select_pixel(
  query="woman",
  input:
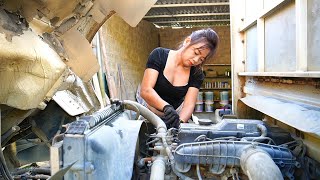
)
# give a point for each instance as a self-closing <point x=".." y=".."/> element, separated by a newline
<point x="172" y="79"/>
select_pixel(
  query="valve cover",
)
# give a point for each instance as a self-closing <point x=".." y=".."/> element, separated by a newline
<point x="227" y="128"/>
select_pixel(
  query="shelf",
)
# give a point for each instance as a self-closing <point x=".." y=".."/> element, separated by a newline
<point x="219" y="77"/>
<point x="217" y="64"/>
<point x="309" y="74"/>
<point x="215" y="88"/>
<point x="217" y="100"/>
<point x="230" y="100"/>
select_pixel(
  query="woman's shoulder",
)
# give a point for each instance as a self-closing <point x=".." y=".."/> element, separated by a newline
<point x="161" y="50"/>
<point x="160" y="53"/>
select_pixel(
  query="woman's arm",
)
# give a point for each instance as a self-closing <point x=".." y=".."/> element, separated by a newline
<point x="147" y="90"/>
<point x="189" y="104"/>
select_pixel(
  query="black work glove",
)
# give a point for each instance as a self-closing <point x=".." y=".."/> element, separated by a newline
<point x="170" y="115"/>
<point x="176" y="123"/>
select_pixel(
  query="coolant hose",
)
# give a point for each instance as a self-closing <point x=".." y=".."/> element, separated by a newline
<point x="159" y="165"/>
<point x="257" y="164"/>
<point x="263" y="130"/>
<point x="158" y="169"/>
<point x="145" y="112"/>
<point x="262" y="137"/>
<point x="133" y="108"/>
<point x="180" y="175"/>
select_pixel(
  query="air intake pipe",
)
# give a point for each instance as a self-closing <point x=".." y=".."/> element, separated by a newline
<point x="257" y="164"/>
<point x="244" y="154"/>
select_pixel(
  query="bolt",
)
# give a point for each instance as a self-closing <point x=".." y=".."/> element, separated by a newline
<point x="42" y="105"/>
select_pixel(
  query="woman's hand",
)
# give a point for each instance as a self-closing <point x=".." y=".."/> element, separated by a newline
<point x="176" y="123"/>
<point x="170" y="115"/>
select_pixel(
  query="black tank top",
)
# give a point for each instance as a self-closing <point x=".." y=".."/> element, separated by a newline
<point x="174" y="95"/>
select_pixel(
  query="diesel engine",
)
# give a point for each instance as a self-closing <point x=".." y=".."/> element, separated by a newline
<point x="109" y="145"/>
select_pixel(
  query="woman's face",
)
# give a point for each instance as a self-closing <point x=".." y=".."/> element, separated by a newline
<point x="194" y="55"/>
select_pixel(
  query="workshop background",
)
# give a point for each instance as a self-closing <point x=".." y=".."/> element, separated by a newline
<point x="130" y="47"/>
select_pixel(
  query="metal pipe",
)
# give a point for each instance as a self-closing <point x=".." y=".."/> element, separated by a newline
<point x="263" y="130"/>
<point x="57" y="138"/>
<point x="158" y="168"/>
<point x="179" y="174"/>
<point x="86" y="94"/>
<point x="9" y="134"/>
<point x="257" y="164"/>
<point x="159" y="165"/>
<point x="150" y="116"/>
<point x="105" y="99"/>
<point x="31" y="177"/>
<point x="32" y="170"/>
<point x="198" y="172"/>
<point x="261" y="138"/>
<point x="229" y="153"/>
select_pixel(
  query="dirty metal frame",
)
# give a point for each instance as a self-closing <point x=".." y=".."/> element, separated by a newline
<point x="166" y="14"/>
<point x="268" y="91"/>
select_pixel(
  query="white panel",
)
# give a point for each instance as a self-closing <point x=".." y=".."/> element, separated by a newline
<point x="132" y="11"/>
<point x="253" y="9"/>
<point x="313" y="35"/>
<point x="252" y="50"/>
<point x="280" y="41"/>
<point x="288" y="112"/>
<point x="301" y="35"/>
<point x="70" y="103"/>
<point x="270" y="3"/>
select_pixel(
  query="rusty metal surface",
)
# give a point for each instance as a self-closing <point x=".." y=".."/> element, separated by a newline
<point x="189" y="13"/>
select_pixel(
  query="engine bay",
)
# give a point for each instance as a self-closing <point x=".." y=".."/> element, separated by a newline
<point x="222" y="150"/>
<point x="57" y="120"/>
<point x="232" y="148"/>
<point x="112" y="144"/>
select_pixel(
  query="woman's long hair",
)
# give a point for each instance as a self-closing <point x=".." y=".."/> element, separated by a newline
<point x="207" y="36"/>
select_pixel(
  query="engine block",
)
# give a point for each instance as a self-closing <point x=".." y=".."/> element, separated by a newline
<point x="238" y="128"/>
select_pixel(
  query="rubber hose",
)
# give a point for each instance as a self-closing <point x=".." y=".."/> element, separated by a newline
<point x="150" y="116"/>
<point x="257" y="164"/>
